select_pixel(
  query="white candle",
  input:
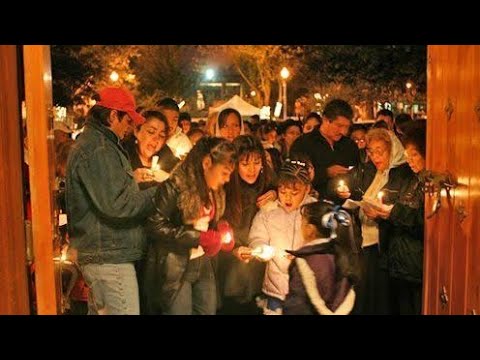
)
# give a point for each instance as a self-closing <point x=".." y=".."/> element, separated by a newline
<point x="380" y="197"/>
<point x="155" y="165"/>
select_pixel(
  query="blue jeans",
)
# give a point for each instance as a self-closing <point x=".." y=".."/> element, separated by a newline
<point x="274" y="303"/>
<point x="113" y="289"/>
<point x="198" y="293"/>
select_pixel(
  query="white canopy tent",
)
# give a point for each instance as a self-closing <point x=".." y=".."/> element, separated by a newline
<point x="237" y="103"/>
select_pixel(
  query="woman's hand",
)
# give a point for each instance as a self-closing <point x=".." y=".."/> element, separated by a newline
<point x="385" y="212"/>
<point x="243" y="254"/>
<point x="160" y="175"/>
<point x="143" y="175"/>
<point x="370" y="212"/>
<point x="265" y="198"/>
<point x="202" y="223"/>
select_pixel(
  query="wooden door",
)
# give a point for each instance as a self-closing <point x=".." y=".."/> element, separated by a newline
<point x="451" y="279"/>
<point x="13" y="263"/>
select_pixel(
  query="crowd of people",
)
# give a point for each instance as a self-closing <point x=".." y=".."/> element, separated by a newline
<point x="240" y="216"/>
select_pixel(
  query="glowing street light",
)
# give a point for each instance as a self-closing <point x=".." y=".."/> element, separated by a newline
<point x="253" y="93"/>
<point x="284" y="73"/>
<point x="114" y="76"/>
<point x="409" y="85"/>
<point x="210" y="74"/>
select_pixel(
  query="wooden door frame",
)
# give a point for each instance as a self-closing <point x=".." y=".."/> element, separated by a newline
<point x="38" y="97"/>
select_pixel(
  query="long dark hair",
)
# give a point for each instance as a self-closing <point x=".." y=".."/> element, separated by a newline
<point x="220" y="150"/>
<point x="246" y="146"/>
<point x="332" y="222"/>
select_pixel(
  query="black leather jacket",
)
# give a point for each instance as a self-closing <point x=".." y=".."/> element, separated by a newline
<point x="170" y="243"/>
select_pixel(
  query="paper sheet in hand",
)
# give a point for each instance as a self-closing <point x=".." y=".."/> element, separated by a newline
<point x="352" y="204"/>
<point x="374" y="204"/>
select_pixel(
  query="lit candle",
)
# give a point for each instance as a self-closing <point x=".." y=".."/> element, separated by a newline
<point x="155" y="165"/>
<point x="227" y="238"/>
<point x="264" y="252"/>
<point x="342" y="187"/>
<point x="380" y="197"/>
<point x="181" y="151"/>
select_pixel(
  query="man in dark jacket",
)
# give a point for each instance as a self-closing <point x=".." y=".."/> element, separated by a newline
<point x="331" y="152"/>
<point x="105" y="207"/>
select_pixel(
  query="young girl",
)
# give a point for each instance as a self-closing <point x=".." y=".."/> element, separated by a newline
<point x="185" y="232"/>
<point x="324" y="270"/>
<point x="275" y="230"/>
<point x="251" y="187"/>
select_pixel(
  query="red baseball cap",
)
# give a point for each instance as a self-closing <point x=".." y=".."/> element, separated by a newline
<point x="120" y="99"/>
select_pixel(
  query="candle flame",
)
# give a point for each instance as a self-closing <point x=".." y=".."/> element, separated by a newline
<point x="380" y="196"/>
<point x="264" y="252"/>
<point x="227" y="238"/>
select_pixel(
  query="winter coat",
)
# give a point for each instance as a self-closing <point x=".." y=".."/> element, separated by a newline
<point x="239" y="279"/>
<point x="405" y="244"/>
<point x="105" y="208"/>
<point x="282" y="230"/>
<point x="172" y="237"/>
<point x="315" y="288"/>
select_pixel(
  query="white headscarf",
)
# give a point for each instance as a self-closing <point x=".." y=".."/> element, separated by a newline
<point x="397" y="157"/>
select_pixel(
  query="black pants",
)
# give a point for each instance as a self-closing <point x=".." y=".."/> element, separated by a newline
<point x="405" y="297"/>
<point x="372" y="292"/>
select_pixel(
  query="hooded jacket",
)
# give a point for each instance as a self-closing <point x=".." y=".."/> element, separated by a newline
<point x="315" y="286"/>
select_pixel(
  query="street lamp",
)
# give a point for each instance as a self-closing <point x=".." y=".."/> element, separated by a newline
<point x="410" y="92"/>
<point x="210" y="74"/>
<point x="114" y="76"/>
<point x="284" y="73"/>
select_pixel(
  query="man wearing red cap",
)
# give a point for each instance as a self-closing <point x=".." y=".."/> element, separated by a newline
<point x="105" y="208"/>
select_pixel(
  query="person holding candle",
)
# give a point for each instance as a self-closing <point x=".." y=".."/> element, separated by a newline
<point x="186" y="232"/>
<point x="149" y="143"/>
<point x="406" y="220"/>
<point x="331" y="152"/>
<point x="250" y="189"/>
<point x="280" y="228"/>
<point x="388" y="172"/>
<point x="105" y="207"/>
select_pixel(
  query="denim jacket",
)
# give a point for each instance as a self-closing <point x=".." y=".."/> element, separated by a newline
<point x="105" y="208"/>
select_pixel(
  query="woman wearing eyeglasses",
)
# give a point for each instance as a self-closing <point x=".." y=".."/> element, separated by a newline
<point x="406" y="220"/>
<point x="358" y="136"/>
<point x="386" y="173"/>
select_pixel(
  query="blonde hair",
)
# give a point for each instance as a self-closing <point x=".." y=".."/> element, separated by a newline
<point x="379" y="134"/>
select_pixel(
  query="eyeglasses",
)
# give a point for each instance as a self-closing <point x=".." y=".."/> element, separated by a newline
<point x="297" y="162"/>
<point x="377" y="152"/>
<point x="359" y="141"/>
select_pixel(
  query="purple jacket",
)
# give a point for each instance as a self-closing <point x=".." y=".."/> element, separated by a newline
<point x="314" y="287"/>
